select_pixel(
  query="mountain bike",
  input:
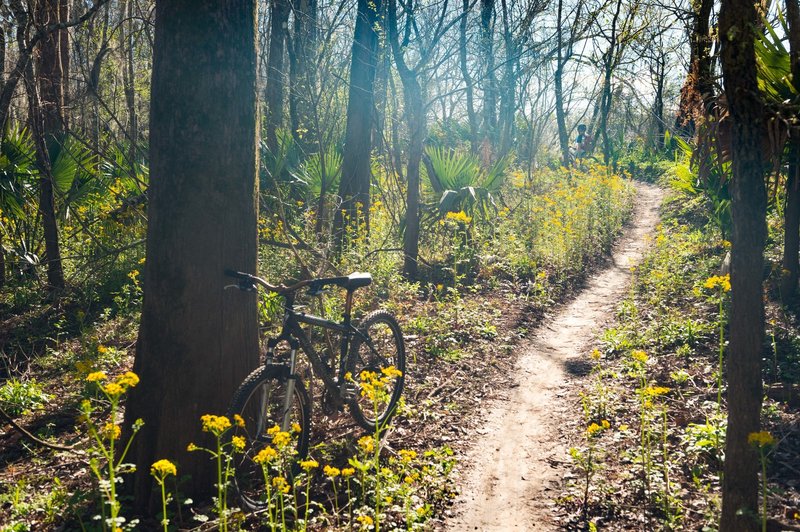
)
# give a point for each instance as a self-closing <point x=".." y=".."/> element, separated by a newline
<point x="275" y="394"/>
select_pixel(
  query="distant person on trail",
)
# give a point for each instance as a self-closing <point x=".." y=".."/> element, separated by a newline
<point x="583" y="142"/>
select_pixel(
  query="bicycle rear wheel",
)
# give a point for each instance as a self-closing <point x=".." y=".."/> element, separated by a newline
<point x="379" y="348"/>
<point x="269" y="401"/>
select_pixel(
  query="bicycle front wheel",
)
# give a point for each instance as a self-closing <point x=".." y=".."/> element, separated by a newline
<point x="269" y="401"/>
<point x="377" y="364"/>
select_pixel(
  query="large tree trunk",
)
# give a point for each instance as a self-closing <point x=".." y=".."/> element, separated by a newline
<point x="468" y="82"/>
<point x="356" y="171"/>
<point x="196" y="341"/>
<point x="52" y="65"/>
<point x="748" y="210"/>
<point x="279" y="18"/>
<point x="791" y="265"/>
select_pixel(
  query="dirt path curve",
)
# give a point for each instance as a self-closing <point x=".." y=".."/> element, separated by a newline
<point x="509" y="477"/>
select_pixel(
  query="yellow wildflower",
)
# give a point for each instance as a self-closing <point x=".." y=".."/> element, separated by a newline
<point x="656" y="390"/>
<point x="605" y="424"/>
<point x="459" y="216"/>
<point x="238" y="420"/>
<point x="367" y="444"/>
<point x="215" y="424"/>
<point x="281" y="439"/>
<point x="96" y="376"/>
<point x="761" y="439"/>
<point x="296" y="427"/>
<point x="129" y="379"/>
<point x="330" y="471"/>
<point x="102" y="349"/>
<point x="348" y="471"/>
<point x="639" y="356"/>
<point x="113" y="389"/>
<point x="593" y="429"/>
<point x="111" y="431"/>
<point x="392" y="371"/>
<point x="238" y="443"/>
<point x="596" y="355"/>
<point x="191" y="447"/>
<point x="364" y="520"/>
<point x="280" y="484"/>
<point x="406" y="455"/>
<point x="163" y="468"/>
<point x="308" y="465"/>
<point x="265" y="455"/>
<point x="721" y="281"/>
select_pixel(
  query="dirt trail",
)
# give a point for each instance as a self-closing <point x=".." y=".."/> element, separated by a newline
<point x="510" y="476"/>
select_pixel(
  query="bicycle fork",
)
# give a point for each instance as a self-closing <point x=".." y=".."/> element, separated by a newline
<point x="286" y="421"/>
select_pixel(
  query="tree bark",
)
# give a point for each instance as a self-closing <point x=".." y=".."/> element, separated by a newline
<point x="489" y="78"/>
<point x="279" y="19"/>
<point x="748" y="208"/>
<point x="791" y="265"/>
<point x="415" y="118"/>
<point x="196" y="341"/>
<point x="697" y="92"/>
<point x="558" y="82"/>
<point x="354" y="186"/>
<point x="129" y="76"/>
<point x="52" y="66"/>
<point x="302" y="74"/>
<point x="468" y="82"/>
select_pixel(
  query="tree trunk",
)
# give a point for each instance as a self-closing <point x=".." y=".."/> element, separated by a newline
<point x="791" y="265"/>
<point x="129" y="77"/>
<point x="698" y="90"/>
<point x="506" y="124"/>
<point x="658" y="104"/>
<point x="356" y="169"/>
<point x="748" y="209"/>
<point x="558" y="75"/>
<point x="606" y="96"/>
<point x="302" y="74"/>
<point x="415" y="118"/>
<point x="468" y="82"/>
<point x="52" y="65"/>
<point x="279" y="19"/>
<point x="489" y="77"/>
<point x="196" y="341"/>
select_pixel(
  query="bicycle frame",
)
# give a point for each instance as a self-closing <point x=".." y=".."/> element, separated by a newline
<point x="296" y="337"/>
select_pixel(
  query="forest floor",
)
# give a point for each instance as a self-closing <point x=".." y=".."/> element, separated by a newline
<point x="511" y="475"/>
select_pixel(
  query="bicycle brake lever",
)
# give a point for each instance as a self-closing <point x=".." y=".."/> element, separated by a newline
<point x="227" y="286"/>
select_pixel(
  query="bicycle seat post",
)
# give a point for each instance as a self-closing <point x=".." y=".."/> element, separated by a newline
<point x="348" y="305"/>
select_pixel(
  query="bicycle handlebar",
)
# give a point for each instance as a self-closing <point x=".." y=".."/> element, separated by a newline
<point x="248" y="282"/>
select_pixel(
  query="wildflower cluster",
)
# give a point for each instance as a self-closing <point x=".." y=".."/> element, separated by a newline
<point x="106" y="464"/>
<point x="723" y="282"/>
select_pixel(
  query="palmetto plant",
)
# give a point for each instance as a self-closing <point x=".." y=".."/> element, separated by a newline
<point x="74" y="172"/>
<point x="462" y="183"/>
<point x="321" y="173"/>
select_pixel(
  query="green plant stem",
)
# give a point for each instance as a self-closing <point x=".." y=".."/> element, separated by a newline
<point x="164" y="520"/>
<point x="763" y="489"/>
